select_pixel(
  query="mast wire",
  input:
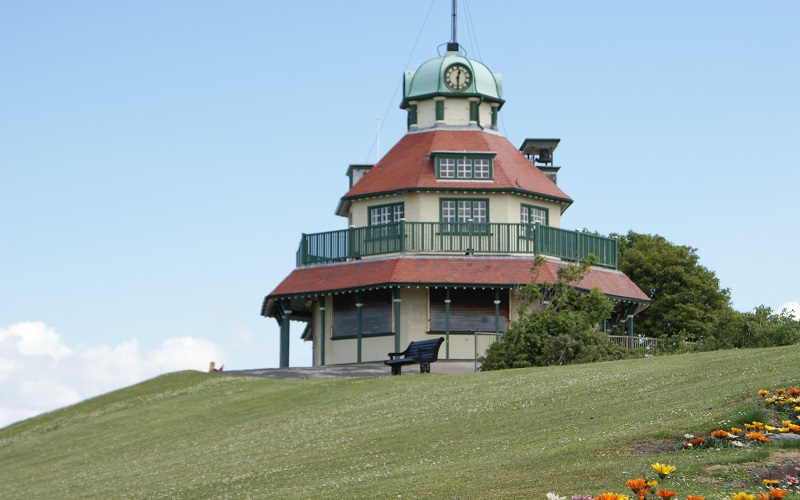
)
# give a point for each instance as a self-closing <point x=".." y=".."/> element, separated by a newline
<point x="394" y="95"/>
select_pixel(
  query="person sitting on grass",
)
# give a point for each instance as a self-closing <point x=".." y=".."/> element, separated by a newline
<point x="211" y="368"/>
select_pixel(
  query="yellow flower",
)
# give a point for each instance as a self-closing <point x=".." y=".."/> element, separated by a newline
<point x="652" y="484"/>
<point x="769" y="482"/>
<point x="783" y="429"/>
<point x="736" y="430"/>
<point x="663" y="470"/>
<point x="797" y="408"/>
<point x="743" y="496"/>
<point x="769" y="428"/>
<point x="762" y="392"/>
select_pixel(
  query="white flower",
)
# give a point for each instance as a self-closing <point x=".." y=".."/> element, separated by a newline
<point x="553" y="496"/>
<point x="689" y="436"/>
<point x="737" y="443"/>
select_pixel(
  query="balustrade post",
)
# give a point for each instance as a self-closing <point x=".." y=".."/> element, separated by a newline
<point x="402" y="236"/>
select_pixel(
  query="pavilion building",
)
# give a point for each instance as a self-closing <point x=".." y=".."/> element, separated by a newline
<point x="440" y="232"/>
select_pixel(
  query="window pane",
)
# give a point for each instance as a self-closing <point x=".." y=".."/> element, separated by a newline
<point x="464" y="211"/>
<point x="479" y="211"/>
<point x="448" y="211"/>
<point x="447" y="168"/>
<point x="464" y="168"/>
<point x="538" y="216"/>
<point x="482" y="169"/>
<point x="399" y="212"/>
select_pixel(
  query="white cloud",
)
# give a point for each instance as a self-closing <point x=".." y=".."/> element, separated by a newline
<point x="40" y="373"/>
<point x="793" y="307"/>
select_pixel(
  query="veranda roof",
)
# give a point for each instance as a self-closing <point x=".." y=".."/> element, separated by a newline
<point x="504" y="272"/>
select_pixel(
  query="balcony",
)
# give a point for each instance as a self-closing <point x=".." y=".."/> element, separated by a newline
<point x="454" y="238"/>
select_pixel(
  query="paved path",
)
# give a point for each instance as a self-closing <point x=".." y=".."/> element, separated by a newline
<point x="342" y="371"/>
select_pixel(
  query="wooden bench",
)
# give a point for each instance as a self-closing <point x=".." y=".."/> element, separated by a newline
<point x="422" y="352"/>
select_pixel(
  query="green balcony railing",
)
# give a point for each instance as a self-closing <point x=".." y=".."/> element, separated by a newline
<point x="462" y="238"/>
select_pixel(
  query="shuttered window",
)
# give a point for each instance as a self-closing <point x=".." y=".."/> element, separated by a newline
<point x="376" y="314"/>
<point x="471" y="310"/>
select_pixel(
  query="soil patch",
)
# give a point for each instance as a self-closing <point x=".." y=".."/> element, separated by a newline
<point x="656" y="447"/>
<point x="777" y="466"/>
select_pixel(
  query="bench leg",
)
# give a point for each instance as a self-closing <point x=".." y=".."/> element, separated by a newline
<point x="396" y="369"/>
<point x="424" y="367"/>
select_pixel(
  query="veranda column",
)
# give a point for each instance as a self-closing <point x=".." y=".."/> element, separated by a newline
<point x="447" y="323"/>
<point x="496" y="310"/>
<point x="396" y="302"/>
<point x="322" y="334"/>
<point x="359" y="305"/>
<point x="287" y="314"/>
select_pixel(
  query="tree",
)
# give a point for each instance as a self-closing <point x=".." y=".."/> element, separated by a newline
<point x="686" y="297"/>
<point x="556" y="324"/>
<point x="760" y="328"/>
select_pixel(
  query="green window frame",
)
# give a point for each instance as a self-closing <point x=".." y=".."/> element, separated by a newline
<point x="387" y="214"/>
<point x="529" y="216"/>
<point x="459" y="166"/>
<point x="464" y="215"/>
<point x="384" y="220"/>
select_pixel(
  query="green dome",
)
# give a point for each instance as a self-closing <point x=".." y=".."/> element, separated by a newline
<point x="428" y="80"/>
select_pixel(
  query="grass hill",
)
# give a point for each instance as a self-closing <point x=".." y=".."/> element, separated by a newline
<point x="578" y="429"/>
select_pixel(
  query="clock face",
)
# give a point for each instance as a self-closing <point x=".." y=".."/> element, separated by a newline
<point x="457" y="77"/>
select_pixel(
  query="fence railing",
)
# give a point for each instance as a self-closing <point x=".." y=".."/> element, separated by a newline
<point x="448" y="237"/>
<point x="649" y="345"/>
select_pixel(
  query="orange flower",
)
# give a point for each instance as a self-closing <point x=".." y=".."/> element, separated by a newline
<point x="757" y="436"/>
<point x="763" y="496"/>
<point x="666" y="494"/>
<point x="696" y="441"/>
<point x="637" y="485"/>
<point x="607" y="496"/>
<point x="720" y="434"/>
<point x="777" y="493"/>
<point x="794" y="391"/>
<point x="762" y="392"/>
<point x="694" y="497"/>
<point x="794" y="427"/>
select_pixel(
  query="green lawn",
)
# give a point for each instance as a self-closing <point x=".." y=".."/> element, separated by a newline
<point x="510" y="434"/>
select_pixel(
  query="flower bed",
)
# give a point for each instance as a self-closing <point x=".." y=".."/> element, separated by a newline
<point x="783" y="406"/>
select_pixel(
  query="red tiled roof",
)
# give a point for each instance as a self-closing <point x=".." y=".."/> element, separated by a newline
<point x="408" y="165"/>
<point x="456" y="271"/>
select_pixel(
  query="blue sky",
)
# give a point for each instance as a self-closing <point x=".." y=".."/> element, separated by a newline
<point x="159" y="160"/>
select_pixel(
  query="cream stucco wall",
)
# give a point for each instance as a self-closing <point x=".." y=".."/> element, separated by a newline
<point x="456" y="112"/>
<point x="424" y="207"/>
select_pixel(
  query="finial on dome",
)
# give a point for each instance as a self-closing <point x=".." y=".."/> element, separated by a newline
<point x="452" y="45"/>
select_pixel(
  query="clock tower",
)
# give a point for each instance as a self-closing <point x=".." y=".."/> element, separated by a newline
<point x="452" y="91"/>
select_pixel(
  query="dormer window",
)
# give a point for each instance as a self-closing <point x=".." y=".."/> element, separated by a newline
<point x="464" y="166"/>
